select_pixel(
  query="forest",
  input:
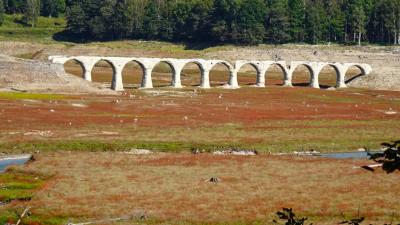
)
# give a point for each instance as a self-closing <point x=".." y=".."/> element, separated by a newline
<point x="242" y="22"/>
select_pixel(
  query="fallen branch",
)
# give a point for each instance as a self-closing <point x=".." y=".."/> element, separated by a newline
<point x="141" y="216"/>
<point x="368" y="167"/>
<point x="23" y="215"/>
<point x="99" y="221"/>
<point x="18" y="90"/>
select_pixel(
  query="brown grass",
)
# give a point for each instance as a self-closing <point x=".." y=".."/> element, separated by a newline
<point x="171" y="187"/>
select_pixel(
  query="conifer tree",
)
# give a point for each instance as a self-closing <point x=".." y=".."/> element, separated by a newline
<point x="32" y="12"/>
<point x="316" y="21"/>
<point x="2" y="11"/>
<point x="250" y="26"/>
<point x="336" y="21"/>
<point x="277" y="22"/>
<point x="296" y="18"/>
<point x="52" y="8"/>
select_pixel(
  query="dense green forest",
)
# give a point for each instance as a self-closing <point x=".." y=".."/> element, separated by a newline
<point x="221" y="21"/>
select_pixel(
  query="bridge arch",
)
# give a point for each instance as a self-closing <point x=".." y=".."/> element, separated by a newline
<point x="324" y="77"/>
<point x="70" y="67"/>
<point x="271" y="69"/>
<point x="363" y="70"/>
<point x="161" y="79"/>
<point x="310" y="69"/>
<point x="128" y="70"/>
<point x="99" y="74"/>
<point x="245" y="78"/>
<point x="350" y="76"/>
<point x="192" y="80"/>
<point x="221" y="79"/>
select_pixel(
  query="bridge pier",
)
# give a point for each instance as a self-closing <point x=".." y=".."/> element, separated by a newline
<point x="87" y="64"/>
<point x="117" y="84"/>
<point x="147" y="81"/>
<point x="341" y="77"/>
<point x="205" y="78"/>
<point x="176" y="79"/>
<point x="288" y="77"/>
<point x="260" y="82"/>
<point x="87" y="75"/>
<point x="314" y="81"/>
<point x="177" y="71"/>
<point x="233" y="80"/>
<point x="288" y="83"/>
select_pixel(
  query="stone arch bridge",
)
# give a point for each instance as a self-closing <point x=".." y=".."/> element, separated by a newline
<point x="147" y="65"/>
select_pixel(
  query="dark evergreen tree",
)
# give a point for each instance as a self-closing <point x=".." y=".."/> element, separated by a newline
<point x="166" y="27"/>
<point x="316" y="21"/>
<point x="336" y="21"/>
<point x="76" y="18"/>
<point x="14" y="6"/>
<point x="277" y="21"/>
<point x="230" y="21"/>
<point x="52" y="8"/>
<point x="189" y="20"/>
<point x="356" y="19"/>
<point x="2" y="11"/>
<point x="297" y="16"/>
<point x="119" y="20"/>
<point x="222" y="20"/>
<point x="135" y="12"/>
<point x="31" y="12"/>
<point x="152" y="20"/>
<point x="250" y="24"/>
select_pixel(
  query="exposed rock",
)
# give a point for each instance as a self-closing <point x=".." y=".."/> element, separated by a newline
<point x="307" y="153"/>
<point x="39" y="133"/>
<point x="42" y="76"/>
<point x="139" y="152"/>
<point x="236" y="152"/>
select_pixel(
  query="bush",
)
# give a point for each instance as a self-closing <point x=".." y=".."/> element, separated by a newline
<point x="390" y="158"/>
<point x="290" y="218"/>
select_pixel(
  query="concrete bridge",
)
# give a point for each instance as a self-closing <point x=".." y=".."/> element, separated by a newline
<point x="147" y="65"/>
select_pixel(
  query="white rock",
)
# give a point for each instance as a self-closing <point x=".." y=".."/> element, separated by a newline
<point x="139" y="152"/>
<point x="390" y="112"/>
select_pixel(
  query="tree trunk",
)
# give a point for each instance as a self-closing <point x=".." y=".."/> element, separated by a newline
<point x="398" y="37"/>
<point x="359" y="38"/>
<point x="345" y="31"/>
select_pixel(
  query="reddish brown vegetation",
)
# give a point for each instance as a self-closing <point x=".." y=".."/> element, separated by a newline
<point x="173" y="187"/>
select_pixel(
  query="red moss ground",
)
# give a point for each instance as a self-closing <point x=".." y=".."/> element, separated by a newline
<point x="257" y="117"/>
<point x="172" y="187"/>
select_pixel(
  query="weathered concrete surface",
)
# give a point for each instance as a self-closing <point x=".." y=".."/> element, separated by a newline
<point x="39" y="76"/>
<point x="148" y="64"/>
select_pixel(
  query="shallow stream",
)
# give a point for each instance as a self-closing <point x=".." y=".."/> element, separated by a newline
<point x="348" y="155"/>
<point x="13" y="160"/>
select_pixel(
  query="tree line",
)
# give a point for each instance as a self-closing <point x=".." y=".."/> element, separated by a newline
<point x="238" y="21"/>
<point x="32" y="9"/>
<point x="224" y="21"/>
